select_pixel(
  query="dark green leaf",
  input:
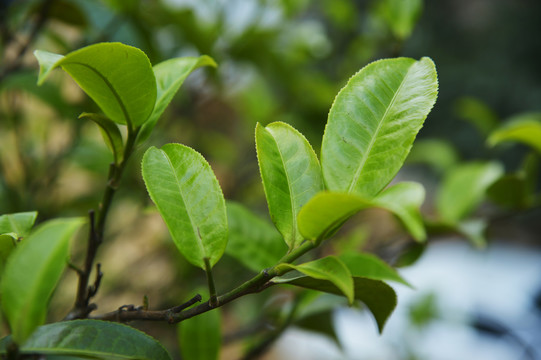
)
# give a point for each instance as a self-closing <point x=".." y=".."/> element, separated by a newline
<point x="252" y="241"/>
<point x="370" y="267"/>
<point x="110" y="132"/>
<point x="18" y="223"/>
<point x="478" y="114"/>
<point x="94" y="339"/>
<point x="31" y="274"/>
<point x="291" y="175"/>
<point x="379" y="297"/>
<point x="510" y="191"/>
<point x="170" y="75"/>
<point x="190" y="200"/>
<point x="118" y="77"/>
<point x="373" y="122"/>
<point x="329" y="268"/>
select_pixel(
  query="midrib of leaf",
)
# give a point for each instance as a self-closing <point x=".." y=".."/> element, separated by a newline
<point x="291" y="200"/>
<point x="195" y="228"/>
<point x="378" y="129"/>
<point x="110" y="86"/>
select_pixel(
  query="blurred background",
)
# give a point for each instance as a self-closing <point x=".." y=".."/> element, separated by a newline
<point x="477" y="285"/>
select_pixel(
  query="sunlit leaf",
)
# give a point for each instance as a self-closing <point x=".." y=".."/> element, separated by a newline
<point x="252" y="241"/>
<point x="379" y="297"/>
<point x="371" y="267"/>
<point x="329" y="268"/>
<point x="524" y="128"/>
<point x="190" y="200"/>
<point x="464" y="188"/>
<point x="18" y="223"/>
<point x="373" y="122"/>
<point x="91" y="339"/>
<point x="31" y="274"/>
<point x="291" y="175"/>
<point x="110" y="132"/>
<point x="170" y="75"/>
<point x="118" y="77"/>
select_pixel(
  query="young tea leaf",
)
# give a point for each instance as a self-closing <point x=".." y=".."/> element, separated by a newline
<point x="371" y="267"/>
<point x="190" y="200"/>
<point x="91" y="339"/>
<point x="524" y="128"/>
<point x="379" y="297"/>
<point x="329" y="268"/>
<point x="170" y="75"/>
<point x="31" y="274"/>
<point x="118" y="77"/>
<point x="291" y="175"/>
<point x="373" y="122"/>
<point x="18" y="223"/>
<point x="252" y="241"/>
<point x="110" y="132"/>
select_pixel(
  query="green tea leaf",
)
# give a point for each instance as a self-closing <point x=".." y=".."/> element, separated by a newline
<point x="400" y="15"/>
<point x="31" y="274"/>
<point x="371" y="267"/>
<point x="252" y="241"/>
<point x="329" y="268"/>
<point x="8" y="243"/>
<point x="118" y="77"/>
<point x="464" y="188"/>
<point x="523" y="128"/>
<point x="190" y="200"/>
<point x="111" y="134"/>
<point x="404" y="200"/>
<point x="373" y="122"/>
<point x="91" y="339"/>
<point x="291" y="175"/>
<point x="437" y="154"/>
<point x="478" y="114"/>
<point x="170" y="75"/>
<point x="379" y="297"/>
<point x="510" y="191"/>
<point x="200" y="337"/>
<point x="18" y="223"/>
<point x="326" y="212"/>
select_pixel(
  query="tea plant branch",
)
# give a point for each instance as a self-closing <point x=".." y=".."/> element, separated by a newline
<point x="85" y="293"/>
<point x="256" y="284"/>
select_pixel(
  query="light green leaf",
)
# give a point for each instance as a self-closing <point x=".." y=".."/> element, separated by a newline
<point x="291" y="175"/>
<point x="523" y="128"/>
<point x="329" y="268"/>
<point x="252" y="241"/>
<point x="110" y="133"/>
<point x="31" y="274"/>
<point x="326" y="212"/>
<point x="8" y="243"/>
<point x="18" y="223"/>
<point x="200" y="337"/>
<point x="91" y="339"/>
<point x="400" y="15"/>
<point x="118" y="77"/>
<point x="190" y="200"/>
<point x="170" y="74"/>
<point x="373" y="122"/>
<point x="438" y="154"/>
<point x="404" y="200"/>
<point x="371" y="267"/>
<point x="379" y="297"/>
<point x="464" y="188"/>
<point x="477" y="113"/>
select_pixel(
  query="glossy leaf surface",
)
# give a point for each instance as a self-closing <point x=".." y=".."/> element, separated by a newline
<point x="200" y="337"/>
<point x="524" y="128"/>
<point x="464" y="188"/>
<point x="252" y="241"/>
<point x="31" y="274"/>
<point x="170" y="74"/>
<point x="291" y="175"/>
<point x="190" y="200"/>
<point x="371" y="267"/>
<point x="18" y="223"/>
<point x="92" y="339"/>
<point x="327" y="211"/>
<point x="118" y="77"/>
<point x="373" y="122"/>
<point x="379" y="297"/>
<point x="329" y="268"/>
<point x="110" y="133"/>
